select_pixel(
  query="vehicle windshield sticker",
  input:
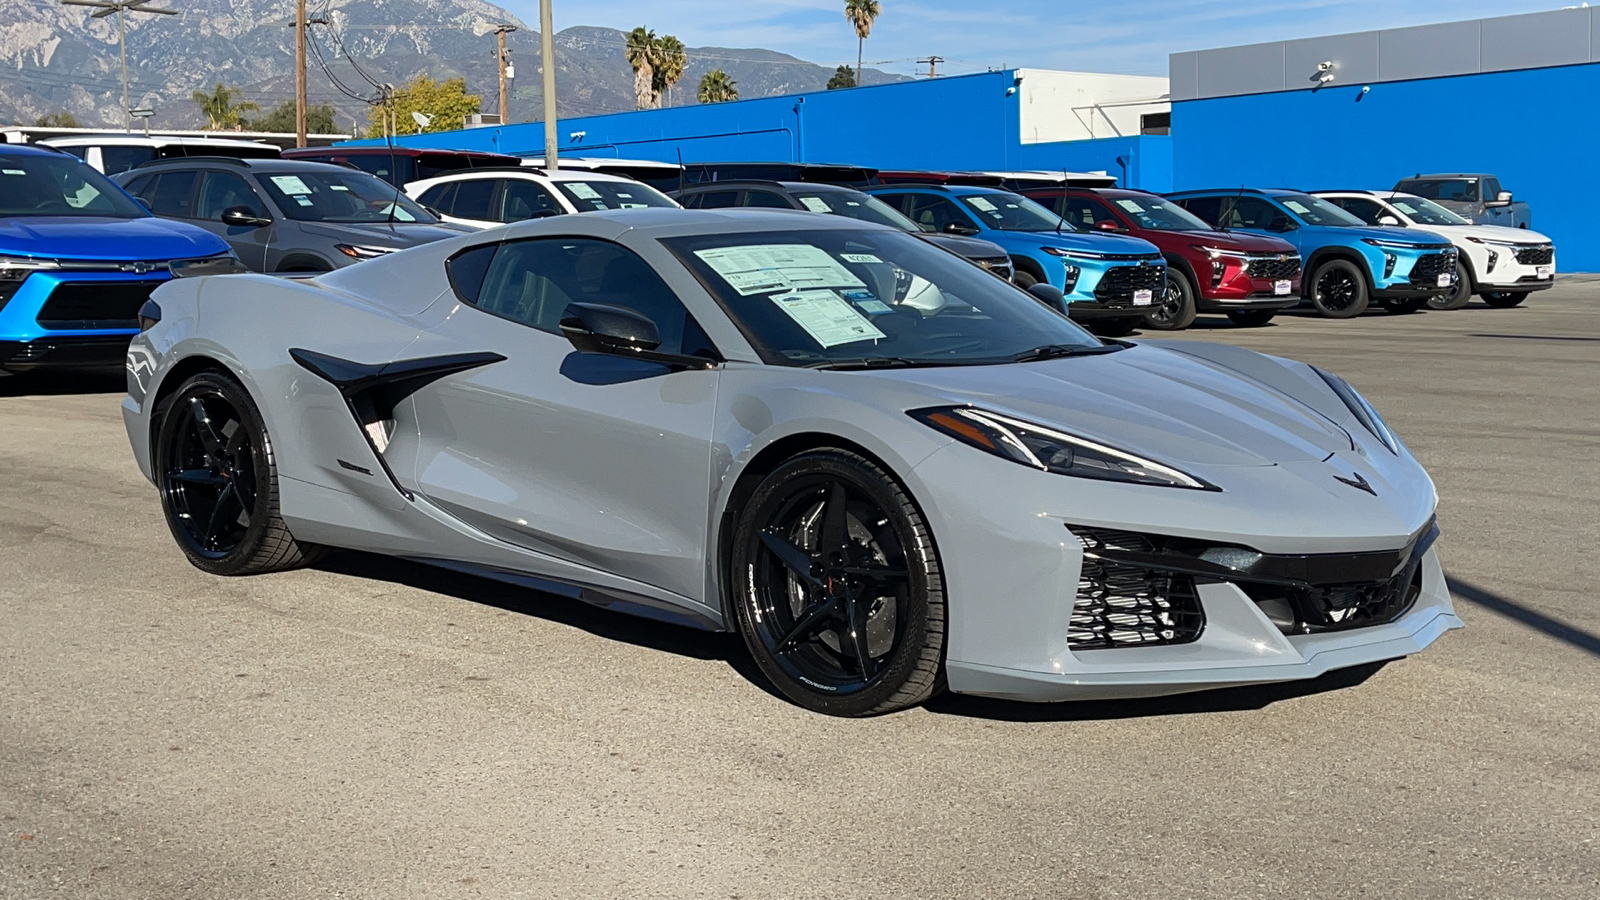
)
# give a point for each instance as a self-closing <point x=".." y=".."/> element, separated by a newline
<point x="1405" y="207"/>
<point x="16" y="171"/>
<point x="290" y="184"/>
<point x="340" y="187"/>
<point x="873" y="307"/>
<point x="582" y="191"/>
<point x="816" y="204"/>
<point x="859" y="258"/>
<point x="1130" y="205"/>
<point x="1296" y="206"/>
<point x="303" y="200"/>
<point x="829" y="320"/>
<point x="981" y="203"/>
<point x="763" y="268"/>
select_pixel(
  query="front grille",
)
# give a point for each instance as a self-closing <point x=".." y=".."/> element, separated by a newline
<point x="1122" y="605"/>
<point x="1119" y="282"/>
<point x="1274" y="267"/>
<point x="1427" y="269"/>
<point x="95" y="304"/>
<point x="1536" y="254"/>
<point x="999" y="265"/>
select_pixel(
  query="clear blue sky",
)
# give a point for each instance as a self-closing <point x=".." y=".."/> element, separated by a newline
<point x="1133" y="36"/>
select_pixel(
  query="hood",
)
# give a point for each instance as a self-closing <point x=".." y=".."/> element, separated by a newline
<point x="1491" y="233"/>
<point x="400" y="235"/>
<point x="1150" y="400"/>
<point x="970" y="247"/>
<point x="1090" y="242"/>
<point x="97" y="237"/>
<point x="1398" y="235"/>
<point x="1242" y="241"/>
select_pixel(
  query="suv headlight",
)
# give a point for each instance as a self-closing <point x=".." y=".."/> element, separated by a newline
<point x="221" y="264"/>
<point x="1050" y="450"/>
<point x="1064" y="253"/>
<point x="18" y="268"/>
<point x="1494" y="243"/>
<point x="1399" y="245"/>
<point x="1362" y="410"/>
<point x="356" y="251"/>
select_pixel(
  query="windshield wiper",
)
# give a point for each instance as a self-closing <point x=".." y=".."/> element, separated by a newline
<point x="876" y="362"/>
<point x="1061" y="351"/>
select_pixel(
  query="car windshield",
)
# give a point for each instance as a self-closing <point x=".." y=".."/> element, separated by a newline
<point x="60" y="185"/>
<point x="589" y="196"/>
<point x="1452" y="190"/>
<point x="340" y="195"/>
<point x="856" y="206"/>
<point x="1159" y="215"/>
<point x="1316" y="211"/>
<point x="866" y="298"/>
<point x="1426" y="212"/>
<point x="1013" y="212"/>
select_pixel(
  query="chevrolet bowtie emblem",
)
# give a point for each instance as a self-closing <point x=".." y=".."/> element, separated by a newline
<point x="1358" y="483"/>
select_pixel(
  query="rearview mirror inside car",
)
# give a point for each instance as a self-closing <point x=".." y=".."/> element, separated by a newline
<point x="244" y="216"/>
<point x="619" y="331"/>
<point x="1050" y="296"/>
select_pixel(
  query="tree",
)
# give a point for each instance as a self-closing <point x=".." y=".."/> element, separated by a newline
<point x="843" y="77"/>
<point x="641" y="56"/>
<point x="57" y="120"/>
<point x="220" y="109"/>
<point x="446" y="103"/>
<point x="671" y="59"/>
<point x="862" y="13"/>
<point x="280" y="119"/>
<point x="717" y="87"/>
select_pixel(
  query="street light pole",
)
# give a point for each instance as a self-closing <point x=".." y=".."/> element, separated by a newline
<point x="547" y="54"/>
<point x="299" y="73"/>
<point x="105" y="8"/>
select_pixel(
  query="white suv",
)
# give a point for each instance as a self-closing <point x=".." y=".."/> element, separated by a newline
<point x="484" y="198"/>
<point x="113" y="153"/>
<point x="1502" y="265"/>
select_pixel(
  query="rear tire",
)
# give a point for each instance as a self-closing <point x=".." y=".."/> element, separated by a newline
<point x="1339" y="289"/>
<point x="1177" y="308"/>
<point x="219" y="482"/>
<point x="1114" y="328"/>
<point x="1458" y="296"/>
<point x="1505" y="299"/>
<point x="1251" y="318"/>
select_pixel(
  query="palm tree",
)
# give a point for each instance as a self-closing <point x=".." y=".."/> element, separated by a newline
<point x="717" y="87"/>
<point x="219" y="108"/>
<point x="671" y="58"/>
<point x="861" y="13"/>
<point x="641" y="55"/>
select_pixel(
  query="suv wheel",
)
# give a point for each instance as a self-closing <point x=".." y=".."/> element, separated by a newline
<point x="1459" y="295"/>
<point x="1505" y="299"/>
<point x="1339" y="289"/>
<point x="1177" y="307"/>
<point x="1251" y="318"/>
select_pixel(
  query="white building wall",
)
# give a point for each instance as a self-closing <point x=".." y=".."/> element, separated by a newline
<point x="1077" y="106"/>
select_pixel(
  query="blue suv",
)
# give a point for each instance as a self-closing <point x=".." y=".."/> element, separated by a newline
<point x="1109" y="280"/>
<point x="1348" y="263"/>
<point x="78" y="258"/>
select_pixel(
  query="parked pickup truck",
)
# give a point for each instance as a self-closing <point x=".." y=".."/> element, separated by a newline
<point x="1474" y="196"/>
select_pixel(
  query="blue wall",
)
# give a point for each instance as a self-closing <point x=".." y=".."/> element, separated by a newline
<point x="963" y="122"/>
<point x="1535" y="128"/>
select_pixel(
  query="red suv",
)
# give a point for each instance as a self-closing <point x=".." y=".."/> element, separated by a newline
<point x="1249" y="277"/>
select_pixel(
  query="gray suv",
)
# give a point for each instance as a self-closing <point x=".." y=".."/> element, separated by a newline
<point x="284" y="215"/>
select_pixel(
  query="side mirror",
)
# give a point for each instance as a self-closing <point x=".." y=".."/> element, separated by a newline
<point x="1050" y="296"/>
<point x="1501" y="199"/>
<point x="244" y="217"/>
<point x="1108" y="225"/>
<point x="958" y="228"/>
<point x="618" y="331"/>
<point x="1387" y="219"/>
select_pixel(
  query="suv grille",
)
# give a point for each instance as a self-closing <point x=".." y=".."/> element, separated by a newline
<point x="83" y="305"/>
<point x="1426" y="271"/>
<point x="998" y="265"/>
<point x="1121" y="605"/>
<point x="1274" y="268"/>
<point x="1536" y="254"/>
<point x="1120" y="282"/>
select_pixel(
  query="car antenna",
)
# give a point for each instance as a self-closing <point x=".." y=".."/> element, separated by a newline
<point x="1061" y="219"/>
<point x="680" y="169"/>
<point x="388" y="134"/>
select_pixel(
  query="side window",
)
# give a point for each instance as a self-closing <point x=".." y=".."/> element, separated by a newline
<point x="718" y="199"/>
<point x="80" y="152"/>
<point x="689" y="201"/>
<point x="140" y="187"/>
<point x="1367" y="211"/>
<point x="533" y="282"/>
<point x="767" y="199"/>
<point x="1207" y="209"/>
<point x="222" y="191"/>
<point x="468" y="269"/>
<point x="439" y="197"/>
<point x="524" y="200"/>
<point x="121" y="159"/>
<point x="1083" y="213"/>
<point x="1491" y="188"/>
<point x="934" y="213"/>
<point x="1250" y="212"/>
<point x="473" y="200"/>
<point x="171" y="194"/>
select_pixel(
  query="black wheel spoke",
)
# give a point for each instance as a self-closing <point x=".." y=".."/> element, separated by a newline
<point x="810" y="621"/>
<point x="876" y="573"/>
<point x="202" y="427"/>
<point x="835" y="536"/>
<point x="197" y="476"/>
<point x="238" y="440"/>
<point x="856" y="612"/>
<point x="795" y="559"/>
<point x="227" y="502"/>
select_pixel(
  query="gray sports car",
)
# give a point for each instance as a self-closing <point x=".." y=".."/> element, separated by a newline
<point x="888" y="470"/>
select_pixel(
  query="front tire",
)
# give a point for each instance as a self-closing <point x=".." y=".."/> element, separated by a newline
<point x="1459" y="295"/>
<point x="219" y="483"/>
<point x="1339" y="289"/>
<point x="1177" y="308"/>
<point x="837" y="587"/>
<point x="1505" y="299"/>
<point x="1251" y="318"/>
<point x="1022" y="278"/>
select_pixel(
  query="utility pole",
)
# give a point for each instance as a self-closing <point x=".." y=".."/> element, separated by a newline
<point x="299" y="73"/>
<point x="500" y="32"/>
<point x="932" y="63"/>
<point x="121" y="8"/>
<point x="547" y="53"/>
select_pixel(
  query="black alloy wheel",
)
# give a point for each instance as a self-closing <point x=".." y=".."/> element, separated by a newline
<point x="1505" y="299"/>
<point x="1177" y="307"/>
<point x="1459" y="294"/>
<point x="1339" y="290"/>
<point x="218" y="483"/>
<point x="1251" y="318"/>
<point x="837" y="587"/>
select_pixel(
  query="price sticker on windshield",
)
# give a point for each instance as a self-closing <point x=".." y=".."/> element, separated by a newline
<point x="1281" y="288"/>
<point x="1143" y="298"/>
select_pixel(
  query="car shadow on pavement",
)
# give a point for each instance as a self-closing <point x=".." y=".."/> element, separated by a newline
<point x="56" y="384"/>
<point x="1555" y="628"/>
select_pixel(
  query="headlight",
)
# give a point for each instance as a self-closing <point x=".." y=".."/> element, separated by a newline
<point x="1073" y="254"/>
<point x="1362" y="410"/>
<point x="1050" y="450"/>
<point x="221" y="264"/>
<point x="1494" y="243"/>
<point x="1401" y="245"/>
<point x="18" y="268"/>
<point x="355" y="251"/>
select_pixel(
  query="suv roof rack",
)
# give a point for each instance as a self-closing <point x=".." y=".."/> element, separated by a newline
<point x="227" y="160"/>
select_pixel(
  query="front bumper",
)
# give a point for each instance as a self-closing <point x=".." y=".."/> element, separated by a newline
<point x="72" y="319"/>
<point x="60" y="352"/>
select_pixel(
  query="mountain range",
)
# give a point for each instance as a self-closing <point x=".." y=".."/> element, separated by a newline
<point x="55" y="59"/>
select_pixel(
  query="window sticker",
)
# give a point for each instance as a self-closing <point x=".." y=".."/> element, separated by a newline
<point x="303" y="200"/>
<point x="340" y="187"/>
<point x="828" y="319"/>
<point x="582" y="191"/>
<point x="764" y="268"/>
<point x="15" y="171"/>
<point x="859" y="258"/>
<point x="290" y="184"/>
<point x="981" y="203"/>
<point x="1405" y="207"/>
<point x="1130" y="205"/>
<point x="816" y="204"/>
<point x="1296" y="206"/>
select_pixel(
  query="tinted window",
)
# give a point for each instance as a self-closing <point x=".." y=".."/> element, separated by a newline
<point x="533" y="282"/>
<point x="1316" y="210"/>
<point x="524" y="200"/>
<point x="398" y="170"/>
<point x="932" y="212"/>
<point x="1367" y="211"/>
<point x="1083" y="213"/>
<point x="473" y="200"/>
<point x="1250" y="212"/>
<point x="768" y="199"/>
<point x="121" y="159"/>
<point x="1427" y="212"/>
<point x="1453" y="190"/>
<point x="140" y="187"/>
<point x="338" y="195"/>
<point x="716" y="199"/>
<point x="439" y="197"/>
<point x="1491" y="188"/>
<point x="1011" y="212"/>
<point x="854" y="205"/>
<point x="1207" y="209"/>
<point x="1152" y="212"/>
<point x="468" y="269"/>
<point x="171" y="194"/>
<point x="222" y="191"/>
<point x="58" y="185"/>
<point x="588" y="196"/>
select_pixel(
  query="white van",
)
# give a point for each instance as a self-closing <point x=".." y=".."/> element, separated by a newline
<point x="113" y="153"/>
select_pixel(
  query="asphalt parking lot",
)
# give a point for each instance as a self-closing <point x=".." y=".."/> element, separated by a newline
<point x="378" y="729"/>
